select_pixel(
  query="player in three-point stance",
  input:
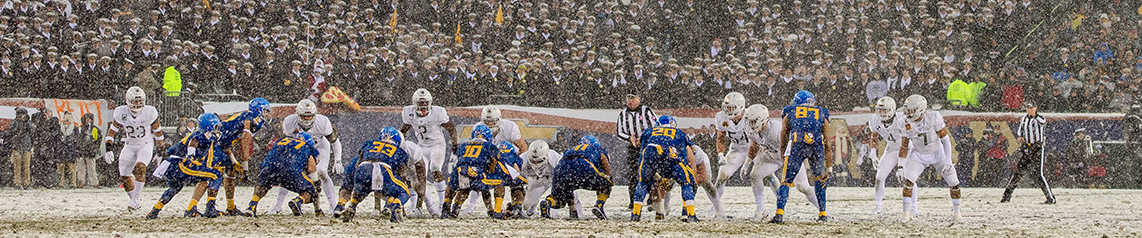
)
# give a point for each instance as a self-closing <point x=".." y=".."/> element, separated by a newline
<point x="885" y="125"/>
<point x="187" y="165"/>
<point x="765" y="141"/>
<point x="306" y="119"/>
<point x="926" y="143"/>
<point x="477" y="159"/>
<point x="428" y="123"/>
<point x="539" y="169"/>
<point x="666" y="152"/>
<point x="290" y="164"/>
<point x="139" y="125"/>
<point x="238" y="129"/>
<point x="414" y="167"/>
<point x="508" y="171"/>
<point x="586" y="166"/>
<point x="731" y="129"/>
<point x="377" y="172"/>
<point x="803" y="136"/>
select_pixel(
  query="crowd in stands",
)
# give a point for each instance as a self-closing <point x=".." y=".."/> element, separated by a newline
<point x="1074" y="56"/>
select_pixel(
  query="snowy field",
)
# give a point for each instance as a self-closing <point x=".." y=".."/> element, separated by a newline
<point x="1079" y="213"/>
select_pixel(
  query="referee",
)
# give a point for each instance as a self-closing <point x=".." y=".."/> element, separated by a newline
<point x="634" y="118"/>
<point x="1030" y="135"/>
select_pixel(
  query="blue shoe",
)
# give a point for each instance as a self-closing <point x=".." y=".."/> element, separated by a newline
<point x="777" y="219"/>
<point x="295" y="207"/>
<point x="691" y="218"/>
<point x="154" y="214"/>
<point x="211" y="212"/>
<point x="236" y="212"/>
<point x="517" y="212"/>
<point x="635" y="218"/>
<point x="496" y="215"/>
<point x="193" y="212"/>
<point x="446" y="211"/>
<point x="396" y="214"/>
<point x="545" y="209"/>
<point x="347" y="214"/>
<point x="337" y="211"/>
<point x="253" y="211"/>
<point x="598" y="211"/>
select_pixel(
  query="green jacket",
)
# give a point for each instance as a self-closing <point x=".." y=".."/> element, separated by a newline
<point x="172" y="82"/>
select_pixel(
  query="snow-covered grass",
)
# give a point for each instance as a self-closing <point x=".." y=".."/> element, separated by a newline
<point x="1079" y="213"/>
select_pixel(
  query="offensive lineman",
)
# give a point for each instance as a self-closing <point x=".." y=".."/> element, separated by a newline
<point x="416" y="168"/>
<point x="240" y="129"/>
<point x="321" y="129"/>
<point x="586" y="166"/>
<point x="803" y="135"/>
<point x="139" y="125"/>
<point x="427" y="121"/>
<point x="885" y="125"/>
<point x="764" y="137"/>
<point x="289" y="165"/>
<point x="374" y="174"/>
<point x="730" y="126"/>
<point x="476" y="160"/>
<point x="926" y="143"/>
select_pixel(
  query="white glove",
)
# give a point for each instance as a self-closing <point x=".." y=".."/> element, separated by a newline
<point x="109" y="157"/>
<point x="338" y="168"/>
<point x="245" y="165"/>
<point x="162" y="169"/>
<point x="722" y="159"/>
<point x="155" y="159"/>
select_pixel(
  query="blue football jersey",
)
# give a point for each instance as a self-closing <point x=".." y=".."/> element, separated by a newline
<point x="179" y="149"/>
<point x="671" y="141"/>
<point x="290" y="153"/>
<point x="477" y="154"/>
<point x="232" y="127"/>
<point x="509" y="158"/>
<point x="805" y="122"/>
<point x="593" y="154"/>
<point x="384" y="152"/>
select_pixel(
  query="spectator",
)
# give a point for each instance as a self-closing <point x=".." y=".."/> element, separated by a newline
<point x="88" y="140"/>
<point x="20" y="139"/>
<point x="47" y="140"/>
<point x="1078" y="156"/>
<point x="992" y="150"/>
<point x="71" y="139"/>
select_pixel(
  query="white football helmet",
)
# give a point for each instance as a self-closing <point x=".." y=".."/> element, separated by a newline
<point x="490" y="115"/>
<point x="423" y="101"/>
<point x="306" y="111"/>
<point x="915" y="106"/>
<point x="538" y="150"/>
<point x="136" y="99"/>
<point x="733" y="104"/>
<point x="885" y="108"/>
<point x="758" y="116"/>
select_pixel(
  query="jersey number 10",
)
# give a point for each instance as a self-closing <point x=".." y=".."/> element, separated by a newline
<point x="472" y="151"/>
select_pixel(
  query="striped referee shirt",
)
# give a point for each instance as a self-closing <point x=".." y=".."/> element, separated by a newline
<point x="632" y="122"/>
<point x="1031" y="128"/>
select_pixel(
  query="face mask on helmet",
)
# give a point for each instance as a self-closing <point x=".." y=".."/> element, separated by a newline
<point x="759" y="124"/>
<point x="732" y="110"/>
<point x="422" y="107"/>
<point x="136" y="104"/>
<point x="885" y="114"/>
<point x="306" y="121"/>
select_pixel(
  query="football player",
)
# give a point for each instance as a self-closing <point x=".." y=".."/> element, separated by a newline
<point x="428" y="123"/>
<point x="804" y="126"/>
<point x="884" y="124"/>
<point x="306" y="119"/>
<point x="374" y="174"/>
<point x="586" y="166"/>
<point x="926" y="142"/>
<point x="188" y="165"/>
<point x="139" y="126"/>
<point x="290" y="164"/>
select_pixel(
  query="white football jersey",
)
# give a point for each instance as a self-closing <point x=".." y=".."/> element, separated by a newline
<point x="769" y="138"/>
<point x="321" y="128"/>
<point x="136" y="127"/>
<point x="543" y="170"/>
<point x="509" y="131"/>
<point x="890" y="132"/>
<point x="735" y="132"/>
<point x="427" y="129"/>
<point x="922" y="134"/>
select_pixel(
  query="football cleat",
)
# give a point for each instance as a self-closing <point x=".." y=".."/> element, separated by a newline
<point x="337" y="211"/>
<point x="396" y="214"/>
<point x="318" y="212"/>
<point x="659" y="216"/>
<point x="496" y="215"/>
<point x="347" y="214"/>
<point x="573" y="214"/>
<point x="877" y="210"/>
<point x="211" y="212"/>
<point x="275" y="210"/>
<point x="957" y="217"/>
<point x="446" y="211"/>
<point x="777" y="219"/>
<point x="545" y="210"/>
<point x="635" y="218"/>
<point x="598" y="211"/>
<point x="691" y="218"/>
<point x="823" y="218"/>
<point x="154" y="214"/>
<point x="236" y="212"/>
<point x="907" y="217"/>
<point x="193" y="212"/>
<point x="517" y="212"/>
<point x="295" y="207"/>
<point x="253" y="211"/>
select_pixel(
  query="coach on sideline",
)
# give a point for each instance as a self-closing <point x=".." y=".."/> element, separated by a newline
<point x="1030" y="135"/>
<point x="632" y="121"/>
